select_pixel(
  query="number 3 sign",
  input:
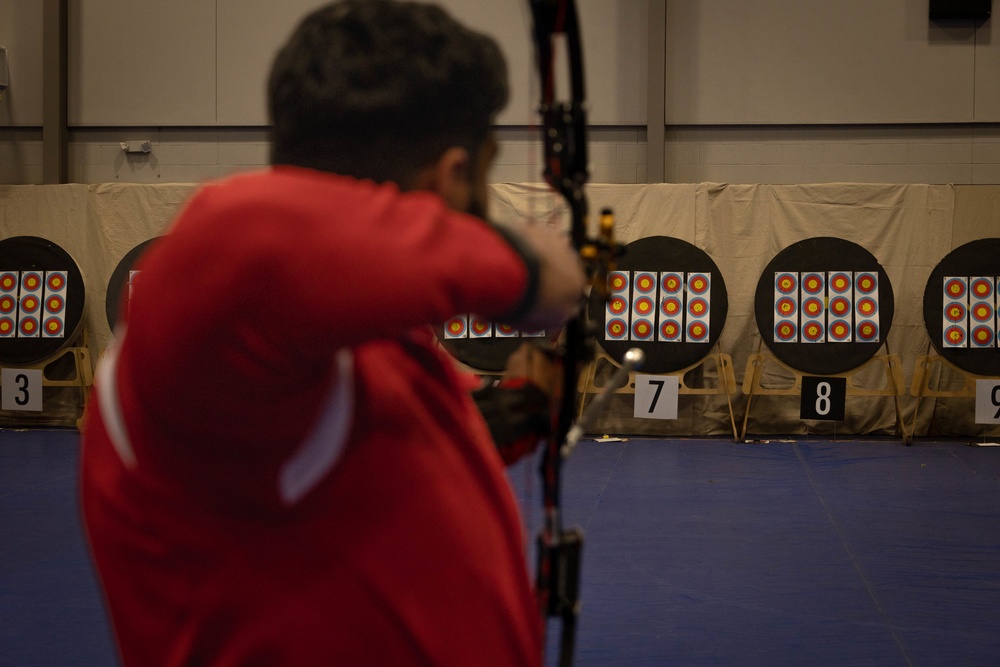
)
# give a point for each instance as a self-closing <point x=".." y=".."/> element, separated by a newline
<point x="21" y="389"/>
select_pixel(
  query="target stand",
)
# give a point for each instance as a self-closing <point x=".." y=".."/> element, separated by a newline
<point x="930" y="366"/>
<point x="42" y="304"/>
<point x="718" y="364"/>
<point x="82" y="378"/>
<point x="753" y="384"/>
<point x="824" y="307"/>
<point x="961" y="316"/>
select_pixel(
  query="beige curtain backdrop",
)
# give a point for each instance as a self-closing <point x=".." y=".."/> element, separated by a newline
<point x="908" y="228"/>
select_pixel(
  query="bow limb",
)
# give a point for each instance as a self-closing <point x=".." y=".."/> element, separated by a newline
<point x="564" y="128"/>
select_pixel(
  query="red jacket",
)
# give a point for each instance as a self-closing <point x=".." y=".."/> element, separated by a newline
<point x="280" y="466"/>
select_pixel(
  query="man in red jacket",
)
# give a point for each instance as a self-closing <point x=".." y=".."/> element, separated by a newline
<point x="281" y="467"/>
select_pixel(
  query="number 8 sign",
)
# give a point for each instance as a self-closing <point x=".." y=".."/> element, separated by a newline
<point x="823" y="398"/>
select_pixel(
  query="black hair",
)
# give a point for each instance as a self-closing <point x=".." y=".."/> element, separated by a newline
<point x="379" y="89"/>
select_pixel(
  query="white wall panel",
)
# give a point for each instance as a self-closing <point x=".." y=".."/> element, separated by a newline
<point x="815" y="61"/>
<point x="21" y="33"/>
<point x="614" y="34"/>
<point x="142" y="62"/>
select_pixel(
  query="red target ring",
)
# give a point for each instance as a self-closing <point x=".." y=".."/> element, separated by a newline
<point x="867" y="331"/>
<point x="670" y="330"/>
<point x="644" y="306"/>
<point x="53" y="326"/>
<point x="6" y="326"/>
<point x="31" y="281"/>
<point x="981" y="312"/>
<point x="840" y="331"/>
<point x="7" y="304"/>
<point x="866" y="283"/>
<point x="645" y="283"/>
<point x="616" y="329"/>
<point x="56" y="282"/>
<point x="785" y="331"/>
<point x="954" y="312"/>
<point x="698" y="285"/>
<point x="671" y="306"/>
<point x="54" y="304"/>
<point x="506" y="330"/>
<point x="982" y="288"/>
<point x="812" y="283"/>
<point x="785" y="307"/>
<point x="786" y="283"/>
<point x="8" y="282"/>
<point x="29" y="326"/>
<point x="867" y="306"/>
<point x="456" y="326"/>
<point x="642" y="330"/>
<point x="955" y="288"/>
<point x="617" y="281"/>
<point x="812" y="307"/>
<point x="840" y="282"/>
<point x="697" y="332"/>
<point x="840" y="306"/>
<point x="617" y="305"/>
<point x="697" y="307"/>
<point x="29" y="304"/>
<point x="954" y="335"/>
<point x="982" y="336"/>
<point x="671" y="283"/>
<point x="479" y="327"/>
<point x="812" y="331"/>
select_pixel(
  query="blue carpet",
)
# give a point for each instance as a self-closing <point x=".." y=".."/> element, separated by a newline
<point x="698" y="552"/>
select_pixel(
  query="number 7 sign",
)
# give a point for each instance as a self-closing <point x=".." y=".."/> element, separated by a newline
<point x="988" y="401"/>
<point x="655" y="397"/>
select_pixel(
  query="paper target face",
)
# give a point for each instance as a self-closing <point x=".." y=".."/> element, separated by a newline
<point x="122" y="281"/>
<point x="688" y="300"/>
<point x="42" y="300"/>
<point x="960" y="307"/>
<point x="823" y="305"/>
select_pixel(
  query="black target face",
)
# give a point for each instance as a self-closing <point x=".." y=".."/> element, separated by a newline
<point x="119" y="284"/>
<point x="42" y="299"/>
<point x="824" y="305"/>
<point x="668" y="298"/>
<point x="960" y="307"/>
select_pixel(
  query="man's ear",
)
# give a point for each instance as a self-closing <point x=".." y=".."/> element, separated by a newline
<point x="451" y="177"/>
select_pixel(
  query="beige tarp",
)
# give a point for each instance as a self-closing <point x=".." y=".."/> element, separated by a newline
<point x="908" y="228"/>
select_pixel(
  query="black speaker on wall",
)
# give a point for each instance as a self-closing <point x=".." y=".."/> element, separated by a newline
<point x="960" y="10"/>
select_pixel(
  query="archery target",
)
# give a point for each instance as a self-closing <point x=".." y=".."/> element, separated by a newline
<point x="619" y="305"/>
<point x="820" y="307"/>
<point x="671" y="310"/>
<point x="982" y="311"/>
<point x="42" y="299"/>
<point x="960" y="307"/>
<point x="30" y="304"/>
<point x="479" y="327"/>
<point x="643" y="312"/>
<point x="456" y="327"/>
<point x="10" y="282"/>
<point x="673" y="304"/>
<point x="699" y="288"/>
<point x="956" y="312"/>
<point x="123" y="281"/>
<point x="813" y="298"/>
<point x="866" y="318"/>
<point x="54" y="311"/>
<point x="786" y="307"/>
